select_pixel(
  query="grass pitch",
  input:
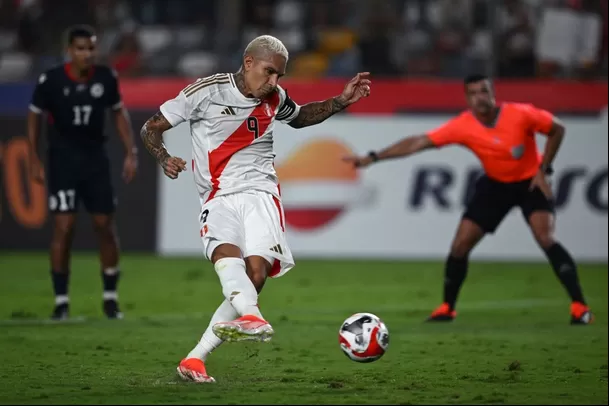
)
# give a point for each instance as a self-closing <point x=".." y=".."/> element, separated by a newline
<point x="511" y="342"/>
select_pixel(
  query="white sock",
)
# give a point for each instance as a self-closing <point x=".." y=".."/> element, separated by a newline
<point x="110" y="296"/>
<point x="111" y="271"/>
<point x="62" y="299"/>
<point x="209" y="341"/>
<point x="237" y="287"/>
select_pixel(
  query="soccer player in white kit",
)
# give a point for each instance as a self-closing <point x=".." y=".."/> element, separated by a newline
<point x="231" y="119"/>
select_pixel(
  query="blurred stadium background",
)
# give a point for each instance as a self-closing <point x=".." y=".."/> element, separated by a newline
<point x="392" y="38"/>
<point x="552" y="53"/>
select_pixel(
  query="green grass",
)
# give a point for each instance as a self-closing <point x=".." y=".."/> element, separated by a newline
<point x="510" y="344"/>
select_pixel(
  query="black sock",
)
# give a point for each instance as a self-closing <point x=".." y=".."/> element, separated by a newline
<point x="61" y="280"/>
<point x="566" y="271"/>
<point x="110" y="277"/>
<point x="454" y="275"/>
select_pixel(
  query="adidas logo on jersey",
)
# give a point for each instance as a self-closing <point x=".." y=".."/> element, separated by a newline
<point x="228" y="111"/>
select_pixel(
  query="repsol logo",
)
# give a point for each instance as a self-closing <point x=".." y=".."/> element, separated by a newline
<point x="446" y="188"/>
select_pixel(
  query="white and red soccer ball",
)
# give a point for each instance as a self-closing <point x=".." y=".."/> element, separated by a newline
<point x="363" y="337"/>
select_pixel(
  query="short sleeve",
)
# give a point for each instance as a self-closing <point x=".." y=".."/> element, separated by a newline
<point x="177" y="110"/>
<point x="540" y="120"/>
<point x="39" y="98"/>
<point x="186" y="105"/>
<point x="114" y="95"/>
<point x="447" y="134"/>
<point x="288" y="109"/>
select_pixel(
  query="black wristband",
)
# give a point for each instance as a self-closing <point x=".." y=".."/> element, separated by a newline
<point x="549" y="170"/>
<point x="373" y="155"/>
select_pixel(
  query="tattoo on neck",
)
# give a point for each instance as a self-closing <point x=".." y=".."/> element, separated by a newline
<point x="240" y="83"/>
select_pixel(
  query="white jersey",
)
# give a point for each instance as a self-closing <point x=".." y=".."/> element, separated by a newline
<point x="232" y="135"/>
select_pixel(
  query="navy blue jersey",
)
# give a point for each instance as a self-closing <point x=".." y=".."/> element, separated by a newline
<point x="76" y="108"/>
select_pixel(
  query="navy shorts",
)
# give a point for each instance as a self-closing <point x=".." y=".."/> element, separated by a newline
<point x="76" y="176"/>
<point x="493" y="200"/>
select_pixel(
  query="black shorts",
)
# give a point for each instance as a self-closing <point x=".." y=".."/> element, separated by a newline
<point x="493" y="200"/>
<point x="79" y="175"/>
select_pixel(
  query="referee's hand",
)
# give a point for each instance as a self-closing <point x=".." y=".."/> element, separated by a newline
<point x="172" y="166"/>
<point x="540" y="181"/>
<point x="358" y="161"/>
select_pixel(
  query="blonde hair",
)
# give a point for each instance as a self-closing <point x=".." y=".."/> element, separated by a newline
<point x="266" y="45"/>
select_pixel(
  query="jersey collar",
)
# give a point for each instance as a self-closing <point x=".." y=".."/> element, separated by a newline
<point x="495" y="120"/>
<point x="68" y="71"/>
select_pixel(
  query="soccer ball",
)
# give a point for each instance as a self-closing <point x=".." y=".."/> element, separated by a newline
<point x="363" y="337"/>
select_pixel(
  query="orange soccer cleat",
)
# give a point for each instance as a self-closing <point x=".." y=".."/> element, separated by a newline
<point x="581" y="314"/>
<point x="443" y="313"/>
<point x="245" y="328"/>
<point x="193" y="369"/>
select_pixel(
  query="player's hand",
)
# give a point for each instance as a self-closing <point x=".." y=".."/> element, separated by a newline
<point x="172" y="166"/>
<point x="36" y="170"/>
<point x="540" y="181"/>
<point x="129" y="167"/>
<point x="355" y="89"/>
<point x="358" y="161"/>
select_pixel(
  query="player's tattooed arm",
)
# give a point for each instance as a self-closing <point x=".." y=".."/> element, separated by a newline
<point x="317" y="112"/>
<point x="311" y="113"/>
<point x="152" y="136"/>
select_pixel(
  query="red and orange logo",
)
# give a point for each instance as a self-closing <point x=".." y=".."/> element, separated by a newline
<point x="317" y="186"/>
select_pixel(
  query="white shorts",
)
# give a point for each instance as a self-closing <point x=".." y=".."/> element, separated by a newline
<point x="253" y="221"/>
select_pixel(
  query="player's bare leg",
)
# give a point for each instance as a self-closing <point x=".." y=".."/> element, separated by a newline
<point x="61" y="245"/>
<point x="467" y="237"/>
<point x="542" y="226"/>
<point x="107" y="236"/>
<point x="258" y="269"/>
<point x="240" y="291"/>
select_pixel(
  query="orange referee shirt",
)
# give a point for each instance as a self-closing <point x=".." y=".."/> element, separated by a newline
<point x="508" y="151"/>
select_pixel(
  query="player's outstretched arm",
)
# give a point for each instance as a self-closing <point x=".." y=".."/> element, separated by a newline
<point x="405" y="147"/>
<point x="152" y="136"/>
<point x="317" y="112"/>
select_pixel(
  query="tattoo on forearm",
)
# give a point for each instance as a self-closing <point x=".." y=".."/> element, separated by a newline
<point x="316" y="112"/>
<point x="152" y="136"/>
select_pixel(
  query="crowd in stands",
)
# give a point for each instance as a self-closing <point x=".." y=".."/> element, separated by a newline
<point x="326" y="38"/>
